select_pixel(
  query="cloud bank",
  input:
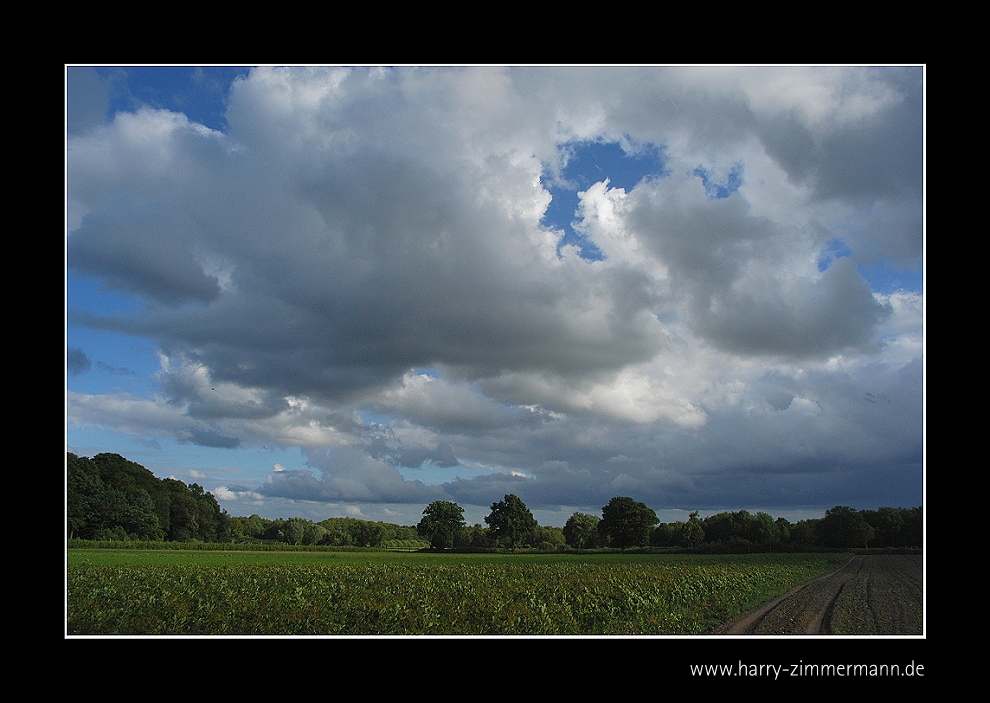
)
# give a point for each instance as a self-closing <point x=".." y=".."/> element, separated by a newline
<point x="361" y="265"/>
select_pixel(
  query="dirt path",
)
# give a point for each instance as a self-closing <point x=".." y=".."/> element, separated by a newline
<point x="870" y="595"/>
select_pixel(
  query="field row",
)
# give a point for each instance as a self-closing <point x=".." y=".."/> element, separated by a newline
<point x="653" y="595"/>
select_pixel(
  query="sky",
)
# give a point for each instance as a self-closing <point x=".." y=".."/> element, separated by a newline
<point x="326" y="291"/>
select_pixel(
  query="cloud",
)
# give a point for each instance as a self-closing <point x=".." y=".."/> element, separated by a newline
<point x="76" y="361"/>
<point x="346" y="475"/>
<point x="353" y="227"/>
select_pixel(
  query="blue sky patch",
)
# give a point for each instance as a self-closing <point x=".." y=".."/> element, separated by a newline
<point x="834" y="249"/>
<point x="715" y="189"/>
<point x="886" y="279"/>
<point x="590" y="163"/>
<point x="198" y="92"/>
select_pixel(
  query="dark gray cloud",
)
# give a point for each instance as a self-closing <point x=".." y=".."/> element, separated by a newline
<point x="415" y="457"/>
<point x="76" y="361"/>
<point x="207" y="438"/>
<point x="837" y="312"/>
<point x="880" y="158"/>
<point x="153" y="265"/>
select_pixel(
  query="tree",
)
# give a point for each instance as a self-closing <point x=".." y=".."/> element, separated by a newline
<point x="626" y="523"/>
<point x="367" y="533"/>
<point x="441" y="523"/>
<point x="804" y="532"/>
<point x="550" y="539"/>
<point x="213" y="521"/>
<point x="85" y="491"/>
<point x="722" y="527"/>
<point x="338" y="534"/>
<point x="843" y="527"/>
<point x="763" y="530"/>
<point x="294" y="530"/>
<point x="248" y="527"/>
<point x="666" y="534"/>
<point x="783" y="529"/>
<point x="183" y="516"/>
<point x="693" y="531"/>
<point x="912" y="532"/>
<point x="581" y="531"/>
<point x="314" y="533"/>
<point x="886" y="523"/>
<point x="474" y="537"/>
<point x="511" y="522"/>
<point x="109" y="497"/>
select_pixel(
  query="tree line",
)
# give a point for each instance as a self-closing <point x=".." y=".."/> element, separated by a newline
<point x="332" y="532"/>
<point x="626" y="523"/>
<point x="111" y="498"/>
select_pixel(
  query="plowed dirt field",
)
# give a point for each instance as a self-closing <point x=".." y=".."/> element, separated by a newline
<point x="870" y="595"/>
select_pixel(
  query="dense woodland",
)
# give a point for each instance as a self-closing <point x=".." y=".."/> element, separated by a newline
<point x="111" y="498"/>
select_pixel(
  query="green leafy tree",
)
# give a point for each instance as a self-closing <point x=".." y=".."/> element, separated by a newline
<point x="367" y="533"/>
<point x="294" y="530"/>
<point x="666" y="534"/>
<point x="783" y="529"/>
<point x="626" y="523"/>
<point x="722" y="527"/>
<point x="804" y="532"/>
<point x="236" y="528"/>
<point x="337" y="533"/>
<point x="314" y="533"/>
<point x="109" y="497"/>
<point x="85" y="492"/>
<point x="138" y="517"/>
<point x="763" y="530"/>
<point x="183" y="512"/>
<point x="581" y="531"/>
<point x="512" y="524"/>
<point x="843" y="526"/>
<point x="253" y="527"/>
<point x="213" y="522"/>
<point x="887" y="524"/>
<point x="442" y="522"/>
<point x="275" y="530"/>
<point x="473" y="537"/>
<point x="742" y="527"/>
<point x="391" y="532"/>
<point x="550" y="539"/>
<point x="693" y="531"/>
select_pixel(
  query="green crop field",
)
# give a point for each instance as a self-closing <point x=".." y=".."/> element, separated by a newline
<point x="375" y="593"/>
